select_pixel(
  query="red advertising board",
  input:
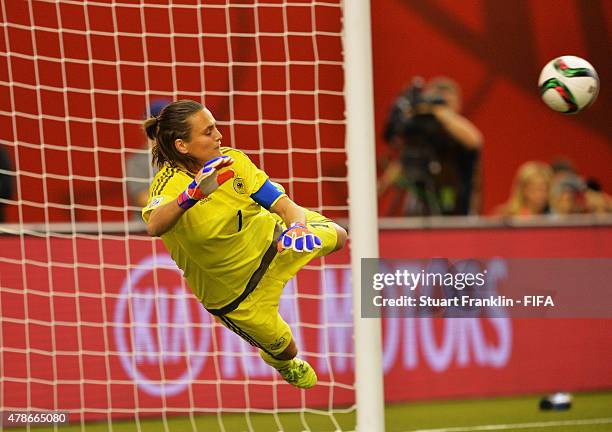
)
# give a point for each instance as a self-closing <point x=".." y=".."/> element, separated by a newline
<point x="105" y="324"/>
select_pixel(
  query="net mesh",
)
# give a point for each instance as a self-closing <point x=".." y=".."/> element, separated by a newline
<point x="96" y="319"/>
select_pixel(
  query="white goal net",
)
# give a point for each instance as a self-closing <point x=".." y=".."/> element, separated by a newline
<point x="96" y="319"/>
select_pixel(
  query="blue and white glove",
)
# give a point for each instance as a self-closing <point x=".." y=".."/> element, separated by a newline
<point x="206" y="181"/>
<point x="298" y="238"/>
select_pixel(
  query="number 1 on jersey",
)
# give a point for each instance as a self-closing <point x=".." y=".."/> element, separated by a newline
<point x="239" y="220"/>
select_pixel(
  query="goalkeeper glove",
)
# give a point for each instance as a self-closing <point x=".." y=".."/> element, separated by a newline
<point x="298" y="238"/>
<point x="206" y="181"/>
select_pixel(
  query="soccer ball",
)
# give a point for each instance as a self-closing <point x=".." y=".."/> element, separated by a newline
<point x="568" y="84"/>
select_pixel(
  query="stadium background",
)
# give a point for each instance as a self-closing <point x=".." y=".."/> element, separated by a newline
<point x="496" y="55"/>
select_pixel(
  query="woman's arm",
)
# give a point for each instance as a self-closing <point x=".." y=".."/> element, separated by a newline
<point x="163" y="218"/>
<point x="289" y="211"/>
<point x="458" y="126"/>
<point x="208" y="180"/>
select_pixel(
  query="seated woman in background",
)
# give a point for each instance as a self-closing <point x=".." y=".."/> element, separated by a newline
<point x="530" y="191"/>
<point x="570" y="194"/>
<point x="567" y="195"/>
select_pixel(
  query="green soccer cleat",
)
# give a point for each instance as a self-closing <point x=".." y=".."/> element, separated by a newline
<point x="299" y="374"/>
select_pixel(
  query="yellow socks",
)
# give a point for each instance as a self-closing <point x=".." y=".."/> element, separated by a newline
<point x="275" y="363"/>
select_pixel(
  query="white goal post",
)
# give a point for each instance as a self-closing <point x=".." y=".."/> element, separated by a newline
<point x="363" y="222"/>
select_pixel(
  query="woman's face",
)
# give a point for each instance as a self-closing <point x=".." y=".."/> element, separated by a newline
<point x="535" y="193"/>
<point x="205" y="140"/>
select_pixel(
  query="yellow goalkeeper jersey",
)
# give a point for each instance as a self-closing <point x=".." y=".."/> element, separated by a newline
<point x="219" y="242"/>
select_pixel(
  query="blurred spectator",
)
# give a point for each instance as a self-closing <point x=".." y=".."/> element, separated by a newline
<point x="570" y="194"/>
<point x="6" y="181"/>
<point x="595" y="199"/>
<point x="567" y="194"/>
<point x="139" y="169"/>
<point x="438" y="150"/>
<point x="530" y="191"/>
<point x="562" y="167"/>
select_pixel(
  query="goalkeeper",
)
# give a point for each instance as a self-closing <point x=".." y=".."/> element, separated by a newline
<point x="236" y="235"/>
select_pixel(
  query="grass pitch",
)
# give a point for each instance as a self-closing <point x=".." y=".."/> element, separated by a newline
<point x="589" y="412"/>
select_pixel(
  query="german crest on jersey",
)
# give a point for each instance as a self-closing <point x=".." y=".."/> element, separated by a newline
<point x="239" y="185"/>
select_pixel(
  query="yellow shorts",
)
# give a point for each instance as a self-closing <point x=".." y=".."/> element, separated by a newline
<point x="256" y="319"/>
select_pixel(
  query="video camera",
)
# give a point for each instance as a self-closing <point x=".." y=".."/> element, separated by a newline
<point x="411" y="114"/>
<point x="415" y="101"/>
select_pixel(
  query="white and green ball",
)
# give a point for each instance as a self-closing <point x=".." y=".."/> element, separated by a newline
<point x="568" y="84"/>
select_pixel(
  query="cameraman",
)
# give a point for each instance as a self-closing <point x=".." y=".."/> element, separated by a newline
<point x="438" y="150"/>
